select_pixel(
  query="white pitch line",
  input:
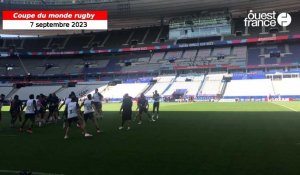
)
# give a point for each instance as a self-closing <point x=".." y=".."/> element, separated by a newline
<point x="33" y="173"/>
<point x="286" y="107"/>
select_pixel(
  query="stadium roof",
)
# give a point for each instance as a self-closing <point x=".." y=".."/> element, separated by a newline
<point x="138" y="13"/>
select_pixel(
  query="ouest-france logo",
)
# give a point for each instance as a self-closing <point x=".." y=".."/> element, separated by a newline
<point x="267" y="19"/>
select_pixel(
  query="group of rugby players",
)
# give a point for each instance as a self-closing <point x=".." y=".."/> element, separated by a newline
<point x="142" y="107"/>
<point x="36" y="110"/>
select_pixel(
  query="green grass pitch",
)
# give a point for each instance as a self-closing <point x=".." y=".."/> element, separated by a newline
<point x="188" y="139"/>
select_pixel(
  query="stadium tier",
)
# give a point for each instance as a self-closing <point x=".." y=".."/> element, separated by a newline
<point x="110" y="39"/>
<point x="221" y="86"/>
<point x="36" y="90"/>
<point x="212" y="85"/>
<point x="236" y="57"/>
<point x="116" y="92"/>
<point x="287" y="87"/>
<point x="184" y="85"/>
<point x="254" y="88"/>
<point x="6" y="88"/>
<point x="81" y="89"/>
<point x="161" y="85"/>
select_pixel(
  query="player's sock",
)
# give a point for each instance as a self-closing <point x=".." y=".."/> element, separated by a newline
<point x="64" y="125"/>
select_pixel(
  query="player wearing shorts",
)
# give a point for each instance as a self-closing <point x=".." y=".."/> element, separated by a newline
<point x="74" y="117"/>
<point x="53" y="102"/>
<point x="88" y="113"/>
<point x="143" y="107"/>
<point x="49" y="107"/>
<point x="65" y="115"/>
<point x="97" y="99"/>
<point x="15" y="110"/>
<point x="56" y="104"/>
<point x="156" y="98"/>
<point x="39" y="107"/>
<point x="126" y="111"/>
<point x="29" y="113"/>
<point x="43" y="108"/>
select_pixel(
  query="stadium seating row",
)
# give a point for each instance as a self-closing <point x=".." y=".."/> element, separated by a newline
<point x="251" y="85"/>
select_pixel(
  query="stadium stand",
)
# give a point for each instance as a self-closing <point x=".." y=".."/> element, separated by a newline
<point x="118" y="38"/>
<point x="138" y="35"/>
<point x="185" y="85"/>
<point x="5" y="88"/>
<point x="201" y="58"/>
<point x="24" y="92"/>
<point x="291" y="55"/>
<point x="157" y="57"/>
<point x="254" y="55"/>
<point x="116" y="92"/>
<point x="173" y="55"/>
<point x="13" y="42"/>
<point x="82" y="89"/>
<point x="287" y="87"/>
<point x="57" y="42"/>
<point x="73" y="44"/>
<point x="212" y="85"/>
<point x="244" y="88"/>
<point x="152" y="35"/>
<point x="36" y="44"/>
<point x="189" y="55"/>
<point x="98" y="40"/>
<point x="162" y="83"/>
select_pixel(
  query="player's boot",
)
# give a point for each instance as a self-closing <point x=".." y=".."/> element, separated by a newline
<point x="121" y="127"/>
<point x="88" y="135"/>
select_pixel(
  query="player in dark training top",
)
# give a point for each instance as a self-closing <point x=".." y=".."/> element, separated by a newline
<point x="15" y="110"/>
<point x="126" y="111"/>
<point x="143" y="107"/>
<point x="2" y="99"/>
<point x="53" y="102"/>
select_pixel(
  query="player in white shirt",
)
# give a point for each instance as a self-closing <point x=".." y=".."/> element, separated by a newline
<point x="74" y="117"/>
<point x="65" y="115"/>
<point x="30" y="111"/>
<point x="88" y="112"/>
<point x="97" y="99"/>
